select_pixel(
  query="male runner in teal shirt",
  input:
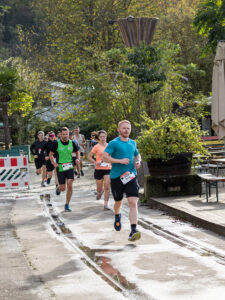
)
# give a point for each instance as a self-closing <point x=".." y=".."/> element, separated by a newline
<point x="121" y="152"/>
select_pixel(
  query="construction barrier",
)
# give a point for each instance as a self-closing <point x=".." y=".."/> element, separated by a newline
<point x="14" y="172"/>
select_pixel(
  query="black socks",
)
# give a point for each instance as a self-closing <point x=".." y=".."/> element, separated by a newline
<point x="133" y="227"/>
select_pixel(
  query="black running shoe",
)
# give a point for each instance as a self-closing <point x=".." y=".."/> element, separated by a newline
<point x="81" y="173"/>
<point x="75" y="173"/>
<point x="117" y="223"/>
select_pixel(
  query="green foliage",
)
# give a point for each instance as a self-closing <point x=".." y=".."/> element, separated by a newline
<point x="13" y="14"/>
<point x="22" y="89"/>
<point x="181" y="87"/>
<point x="14" y="85"/>
<point x="166" y="137"/>
<point x="4" y="9"/>
<point x="8" y="78"/>
<point x="176" y="27"/>
<point x="73" y="44"/>
<point x="69" y="34"/>
<point x="20" y="102"/>
<point x="145" y="66"/>
<point x="210" y="22"/>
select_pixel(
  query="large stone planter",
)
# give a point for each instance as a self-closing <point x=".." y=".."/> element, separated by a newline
<point x="170" y="186"/>
<point x="180" y="164"/>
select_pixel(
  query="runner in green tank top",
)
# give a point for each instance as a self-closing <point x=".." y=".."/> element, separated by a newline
<point x="65" y="149"/>
<point x="65" y="156"/>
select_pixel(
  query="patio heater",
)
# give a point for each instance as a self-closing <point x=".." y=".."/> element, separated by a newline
<point x="136" y="30"/>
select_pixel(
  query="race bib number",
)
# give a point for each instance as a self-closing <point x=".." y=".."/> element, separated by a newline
<point x="104" y="164"/>
<point x="67" y="166"/>
<point x="127" y="177"/>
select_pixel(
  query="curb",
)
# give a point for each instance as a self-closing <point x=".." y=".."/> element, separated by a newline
<point x="219" y="229"/>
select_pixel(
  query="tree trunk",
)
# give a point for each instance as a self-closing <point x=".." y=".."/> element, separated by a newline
<point x="20" y="131"/>
<point x="6" y="122"/>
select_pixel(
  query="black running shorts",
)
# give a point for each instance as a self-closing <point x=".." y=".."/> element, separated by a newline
<point x="62" y="176"/>
<point x="39" y="162"/>
<point x="99" y="174"/>
<point x="49" y="166"/>
<point x="118" y="188"/>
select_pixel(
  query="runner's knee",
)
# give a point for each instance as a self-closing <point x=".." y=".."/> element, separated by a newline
<point x="62" y="188"/>
<point x="133" y="203"/>
<point x="106" y="188"/>
<point x="69" y="184"/>
<point x="117" y="203"/>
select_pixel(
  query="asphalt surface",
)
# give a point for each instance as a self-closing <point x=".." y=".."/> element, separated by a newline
<point x="16" y="276"/>
<point x="46" y="253"/>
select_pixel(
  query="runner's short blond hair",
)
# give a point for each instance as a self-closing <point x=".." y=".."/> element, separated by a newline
<point x="123" y="121"/>
<point x="64" y="129"/>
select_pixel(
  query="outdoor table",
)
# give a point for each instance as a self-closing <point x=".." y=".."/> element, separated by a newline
<point x="200" y="156"/>
<point x="209" y="180"/>
<point x="218" y="160"/>
<point x="218" y="152"/>
<point x="219" y="163"/>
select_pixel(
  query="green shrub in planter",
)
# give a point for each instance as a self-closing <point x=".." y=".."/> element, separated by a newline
<point x="165" y="138"/>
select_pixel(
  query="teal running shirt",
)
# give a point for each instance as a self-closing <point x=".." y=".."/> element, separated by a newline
<point x="119" y="149"/>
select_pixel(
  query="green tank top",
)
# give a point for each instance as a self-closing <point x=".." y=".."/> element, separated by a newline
<point x="65" y="156"/>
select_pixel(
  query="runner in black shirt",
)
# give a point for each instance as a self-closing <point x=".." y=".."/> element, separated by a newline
<point x="39" y="156"/>
<point x="46" y="149"/>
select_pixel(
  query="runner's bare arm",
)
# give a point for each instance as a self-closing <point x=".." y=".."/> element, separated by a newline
<point x="90" y="157"/>
<point x="78" y="155"/>
<point x="107" y="158"/>
<point x="51" y="157"/>
<point x="84" y="141"/>
<point x="138" y="161"/>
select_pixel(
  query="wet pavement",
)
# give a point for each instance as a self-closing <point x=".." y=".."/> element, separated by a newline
<point x="79" y="255"/>
<point x="195" y="209"/>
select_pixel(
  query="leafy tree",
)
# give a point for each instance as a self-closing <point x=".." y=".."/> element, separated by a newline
<point x="158" y="8"/>
<point x="8" y="78"/>
<point x="4" y="9"/>
<point x="104" y="98"/>
<point x="145" y="67"/>
<point x="176" y="27"/>
<point x="69" y="33"/>
<point x="13" y="14"/>
<point x="72" y="43"/>
<point x="178" y="87"/>
<point x="22" y="94"/>
<point x="210" y="22"/>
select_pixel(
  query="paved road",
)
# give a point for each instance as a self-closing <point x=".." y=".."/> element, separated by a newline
<point x="49" y="254"/>
<point x="16" y="276"/>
